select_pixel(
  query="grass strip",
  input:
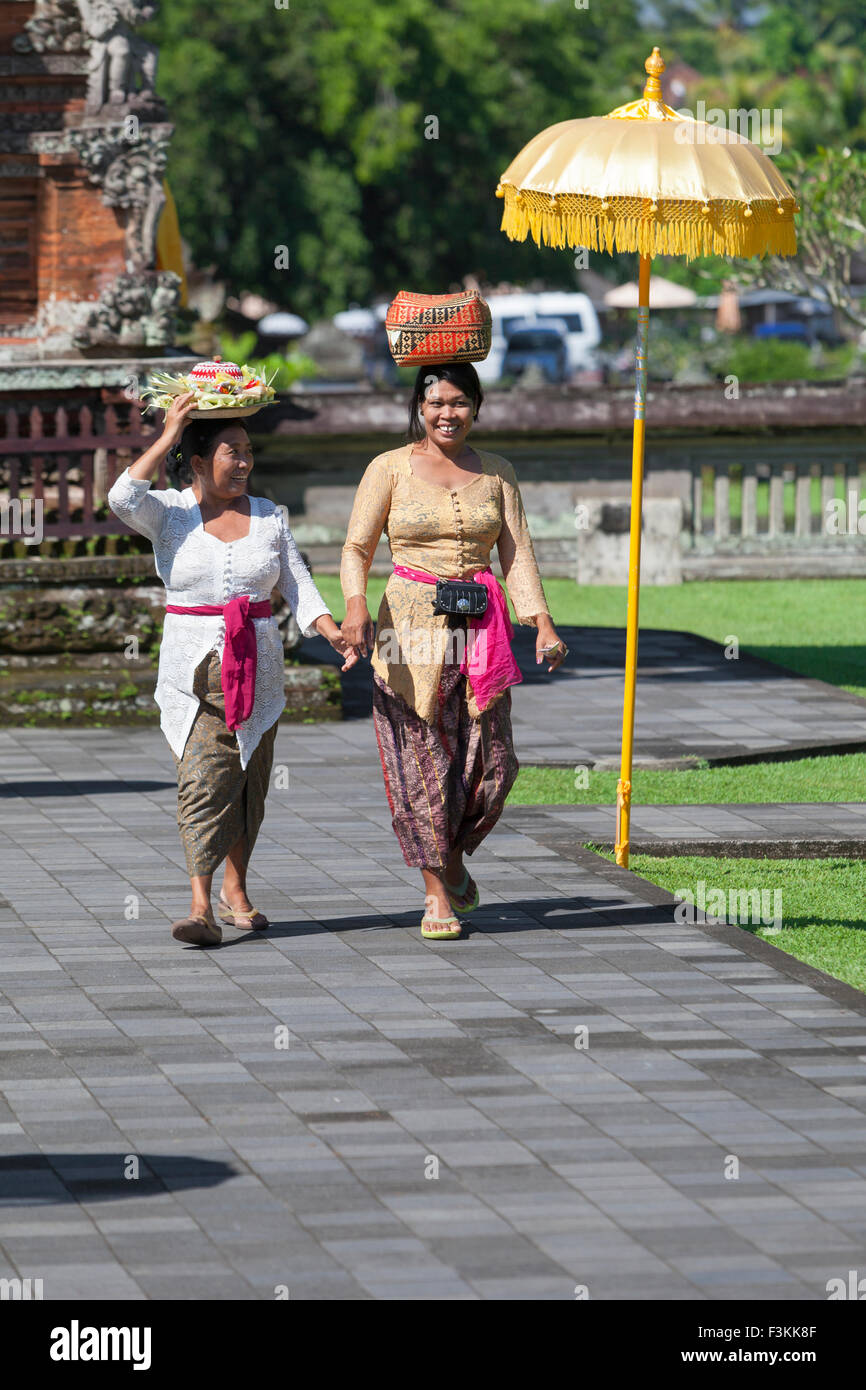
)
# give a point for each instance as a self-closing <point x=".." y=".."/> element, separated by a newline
<point x="823" y="917"/>
<point x="840" y="777"/>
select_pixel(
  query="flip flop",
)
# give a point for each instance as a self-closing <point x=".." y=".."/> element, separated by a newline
<point x="468" y="889"/>
<point x="440" y="928"/>
<point x="242" y="921"/>
<point x="197" y="931"/>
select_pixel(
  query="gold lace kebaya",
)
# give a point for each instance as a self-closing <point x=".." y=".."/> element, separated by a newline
<point x="447" y="532"/>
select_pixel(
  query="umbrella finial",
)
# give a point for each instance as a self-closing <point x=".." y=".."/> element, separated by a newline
<point x="654" y="67"/>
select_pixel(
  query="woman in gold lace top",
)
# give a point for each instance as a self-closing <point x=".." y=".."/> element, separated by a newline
<point x="444" y="734"/>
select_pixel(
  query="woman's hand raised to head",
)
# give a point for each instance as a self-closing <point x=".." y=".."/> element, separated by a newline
<point x="176" y="418"/>
<point x="175" y="422"/>
<point x="357" y="626"/>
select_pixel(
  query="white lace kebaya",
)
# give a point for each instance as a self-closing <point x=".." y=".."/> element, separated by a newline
<point x="197" y="569"/>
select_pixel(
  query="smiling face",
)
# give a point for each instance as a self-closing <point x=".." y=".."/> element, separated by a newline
<point x="447" y="414"/>
<point x="225" y="475"/>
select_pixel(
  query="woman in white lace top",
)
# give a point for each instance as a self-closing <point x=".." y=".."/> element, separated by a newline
<point x="214" y="544"/>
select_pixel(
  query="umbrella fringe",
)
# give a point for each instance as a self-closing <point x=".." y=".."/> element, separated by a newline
<point x="675" y="229"/>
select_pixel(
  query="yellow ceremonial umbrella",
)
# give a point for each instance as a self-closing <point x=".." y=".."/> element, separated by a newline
<point x="644" y="178"/>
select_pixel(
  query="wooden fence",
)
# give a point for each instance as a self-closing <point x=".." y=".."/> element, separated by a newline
<point x="66" y="459"/>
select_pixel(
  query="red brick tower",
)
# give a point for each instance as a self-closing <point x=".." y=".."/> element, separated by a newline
<point x="83" y="146"/>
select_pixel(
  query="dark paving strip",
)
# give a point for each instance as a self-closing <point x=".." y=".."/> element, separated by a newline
<point x="722" y="830"/>
<point x="82" y="787"/>
<point x="745" y="849"/>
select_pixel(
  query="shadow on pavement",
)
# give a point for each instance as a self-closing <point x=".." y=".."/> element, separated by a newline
<point x="522" y="915"/>
<point x="78" y="787"/>
<point x="43" y="1178"/>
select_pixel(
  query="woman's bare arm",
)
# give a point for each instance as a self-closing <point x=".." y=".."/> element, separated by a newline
<point x="173" y="427"/>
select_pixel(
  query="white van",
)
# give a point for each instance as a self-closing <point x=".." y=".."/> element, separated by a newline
<point x="581" y="320"/>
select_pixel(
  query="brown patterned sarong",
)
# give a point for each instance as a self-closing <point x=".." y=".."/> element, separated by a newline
<point x="217" y="801"/>
<point x="446" y="782"/>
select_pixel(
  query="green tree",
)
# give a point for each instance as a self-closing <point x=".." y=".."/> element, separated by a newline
<point x="314" y="128"/>
<point x="831" y="189"/>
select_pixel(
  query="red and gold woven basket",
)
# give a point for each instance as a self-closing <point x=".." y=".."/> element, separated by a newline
<point x="426" y="329"/>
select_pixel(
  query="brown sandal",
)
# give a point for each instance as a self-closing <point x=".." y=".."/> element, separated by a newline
<point x="242" y="921"/>
<point x="197" y="931"/>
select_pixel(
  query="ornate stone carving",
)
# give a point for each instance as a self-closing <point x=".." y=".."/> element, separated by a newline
<point x="122" y="64"/>
<point x="130" y="174"/>
<point x="55" y="26"/>
<point x="49" y="142"/>
<point x="135" y="310"/>
<point x="121" y="139"/>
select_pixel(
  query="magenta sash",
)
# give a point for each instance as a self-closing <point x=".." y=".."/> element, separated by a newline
<point x="488" y="662"/>
<point x="238" y="669"/>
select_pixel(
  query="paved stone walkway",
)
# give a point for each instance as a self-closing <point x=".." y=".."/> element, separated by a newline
<point x="314" y="1165"/>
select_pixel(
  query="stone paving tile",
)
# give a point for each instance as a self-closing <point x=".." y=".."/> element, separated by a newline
<point x="431" y="1131"/>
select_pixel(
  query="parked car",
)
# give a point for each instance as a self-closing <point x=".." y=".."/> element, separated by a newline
<point x="538" y="342"/>
<point x="575" y="311"/>
<point x="583" y="335"/>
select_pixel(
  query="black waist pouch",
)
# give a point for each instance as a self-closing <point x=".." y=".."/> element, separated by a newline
<point x="460" y="599"/>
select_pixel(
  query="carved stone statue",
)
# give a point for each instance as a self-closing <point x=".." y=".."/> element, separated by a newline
<point x="134" y="310"/>
<point x="122" y="64"/>
<point x="121" y="139"/>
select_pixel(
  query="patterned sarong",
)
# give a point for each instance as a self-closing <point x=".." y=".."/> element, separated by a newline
<point x="217" y="801"/>
<point x="446" y="782"/>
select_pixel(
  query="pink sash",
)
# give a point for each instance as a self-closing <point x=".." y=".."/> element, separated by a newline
<point x="488" y="661"/>
<point x="238" y="670"/>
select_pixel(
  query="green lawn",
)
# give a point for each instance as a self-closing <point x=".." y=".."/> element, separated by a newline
<point x="838" y="778"/>
<point x="822" y="903"/>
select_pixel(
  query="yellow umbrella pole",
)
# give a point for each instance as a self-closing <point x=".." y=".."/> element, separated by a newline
<point x="623" y="786"/>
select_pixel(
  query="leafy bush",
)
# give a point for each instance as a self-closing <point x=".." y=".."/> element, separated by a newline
<point x="775" y="359"/>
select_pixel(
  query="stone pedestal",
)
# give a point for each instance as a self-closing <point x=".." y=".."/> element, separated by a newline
<point x="603" y="541"/>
